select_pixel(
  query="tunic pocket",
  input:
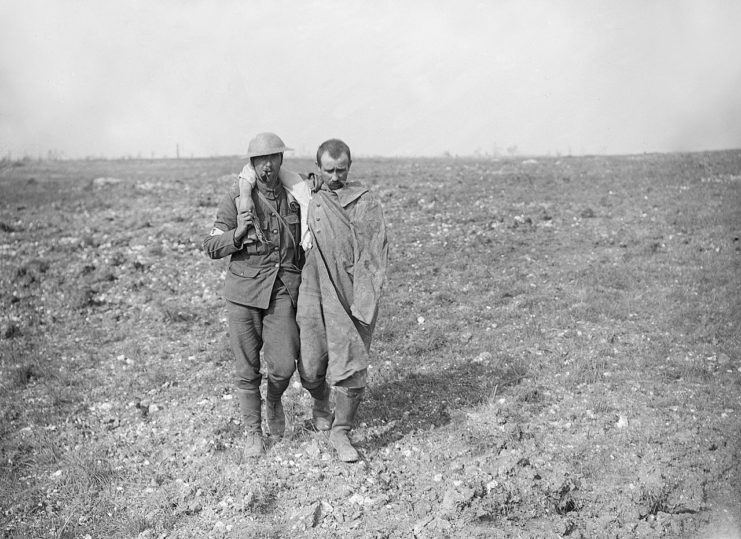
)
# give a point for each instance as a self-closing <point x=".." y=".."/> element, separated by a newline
<point x="248" y="272"/>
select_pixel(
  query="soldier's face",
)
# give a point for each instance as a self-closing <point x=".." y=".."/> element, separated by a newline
<point x="334" y="171"/>
<point x="267" y="167"/>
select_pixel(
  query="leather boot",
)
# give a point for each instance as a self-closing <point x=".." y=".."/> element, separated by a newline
<point x="249" y="405"/>
<point x="276" y="417"/>
<point x="320" y="411"/>
<point x="274" y="407"/>
<point x="345" y="408"/>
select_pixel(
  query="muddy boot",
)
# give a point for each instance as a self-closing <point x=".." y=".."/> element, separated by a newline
<point x="320" y="411"/>
<point x="249" y="405"/>
<point x="345" y="407"/>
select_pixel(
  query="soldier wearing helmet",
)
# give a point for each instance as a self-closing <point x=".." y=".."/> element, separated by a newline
<point x="261" y="288"/>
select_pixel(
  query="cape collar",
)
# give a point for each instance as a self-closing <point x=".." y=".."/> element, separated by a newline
<point x="350" y="192"/>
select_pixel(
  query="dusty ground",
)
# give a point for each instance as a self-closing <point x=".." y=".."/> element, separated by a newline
<point x="559" y="355"/>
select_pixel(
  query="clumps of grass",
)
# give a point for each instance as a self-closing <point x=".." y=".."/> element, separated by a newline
<point x="219" y="353"/>
<point x="12" y="331"/>
<point x="603" y="406"/>
<point x="136" y="524"/>
<point x="23" y="374"/>
<point x="387" y="332"/>
<point x="117" y="259"/>
<point x="31" y="272"/>
<point x="694" y="369"/>
<point x="88" y="240"/>
<point x="654" y="500"/>
<point x="84" y="297"/>
<point x="502" y="499"/>
<point x="206" y="201"/>
<point x="104" y="275"/>
<point x="562" y="496"/>
<point x="587" y="367"/>
<point x="21" y="363"/>
<point x="512" y="371"/>
<point x="156" y="250"/>
<point x="173" y="315"/>
<point x="85" y="485"/>
<point x="154" y="515"/>
<point x="433" y="340"/>
<point x="47" y="451"/>
<point x="157" y="375"/>
<point x="263" y="499"/>
<point x="140" y="266"/>
<point x="483" y="443"/>
<point x="65" y="388"/>
<point x="532" y="395"/>
<point x="443" y="299"/>
<point x="177" y="312"/>
<point x="225" y="434"/>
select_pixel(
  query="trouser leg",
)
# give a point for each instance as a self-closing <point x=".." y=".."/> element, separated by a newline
<point x="245" y="336"/>
<point x="312" y="365"/>
<point x="281" y="353"/>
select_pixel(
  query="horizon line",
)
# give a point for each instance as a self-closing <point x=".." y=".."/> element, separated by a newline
<point x="54" y="156"/>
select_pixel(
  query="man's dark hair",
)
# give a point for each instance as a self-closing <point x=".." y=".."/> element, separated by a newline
<point x="335" y="148"/>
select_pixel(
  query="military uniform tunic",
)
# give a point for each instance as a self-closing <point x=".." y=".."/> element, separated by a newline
<point x="261" y="286"/>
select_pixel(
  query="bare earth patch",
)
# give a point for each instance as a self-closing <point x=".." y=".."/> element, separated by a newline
<point x="558" y="355"/>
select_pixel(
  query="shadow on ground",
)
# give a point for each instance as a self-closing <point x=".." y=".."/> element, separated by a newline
<point x="421" y="401"/>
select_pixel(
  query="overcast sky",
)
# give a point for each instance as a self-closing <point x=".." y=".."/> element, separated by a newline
<point x="85" y="78"/>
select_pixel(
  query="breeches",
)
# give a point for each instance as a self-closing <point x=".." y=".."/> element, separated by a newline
<point x="274" y="330"/>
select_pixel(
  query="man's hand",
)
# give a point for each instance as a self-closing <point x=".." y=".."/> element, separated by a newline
<point x="308" y="241"/>
<point x="317" y="183"/>
<point x="244" y="222"/>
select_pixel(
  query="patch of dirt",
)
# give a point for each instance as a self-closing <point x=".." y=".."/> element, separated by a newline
<point x="557" y="355"/>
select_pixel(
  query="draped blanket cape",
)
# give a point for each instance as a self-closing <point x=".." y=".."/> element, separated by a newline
<point x="342" y="279"/>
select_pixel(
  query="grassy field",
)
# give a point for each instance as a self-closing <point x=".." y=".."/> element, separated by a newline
<point x="558" y="355"/>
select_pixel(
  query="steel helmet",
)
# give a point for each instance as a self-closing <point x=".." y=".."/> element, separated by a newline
<point x="265" y="144"/>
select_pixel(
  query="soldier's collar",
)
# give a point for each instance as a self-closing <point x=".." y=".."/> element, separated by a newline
<point x="270" y="193"/>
